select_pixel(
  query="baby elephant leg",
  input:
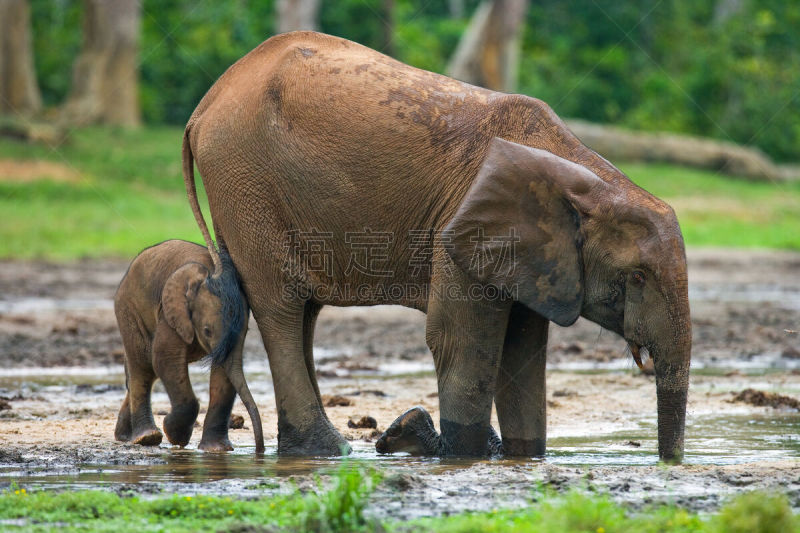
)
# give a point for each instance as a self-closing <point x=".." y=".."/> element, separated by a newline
<point x="413" y="432"/>
<point x="123" y="430"/>
<point x="215" y="427"/>
<point x="143" y="428"/>
<point x="170" y="363"/>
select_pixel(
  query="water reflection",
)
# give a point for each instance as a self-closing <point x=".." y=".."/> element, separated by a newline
<point x="717" y="441"/>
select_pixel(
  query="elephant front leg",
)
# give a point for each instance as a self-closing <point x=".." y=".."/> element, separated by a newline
<point x="170" y="364"/>
<point x="465" y="332"/>
<point x="215" y="426"/>
<point x="520" y="397"/>
<point x="413" y="433"/>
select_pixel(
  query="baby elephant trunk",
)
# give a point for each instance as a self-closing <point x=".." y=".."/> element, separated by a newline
<point x="233" y="368"/>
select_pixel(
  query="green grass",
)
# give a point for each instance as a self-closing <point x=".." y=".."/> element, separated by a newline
<point x="341" y="508"/>
<point x="125" y="191"/>
<point x="337" y="508"/>
<point x="718" y="210"/>
<point x="577" y="512"/>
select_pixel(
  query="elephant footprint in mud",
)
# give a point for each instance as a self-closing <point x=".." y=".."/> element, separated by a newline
<point x="171" y="311"/>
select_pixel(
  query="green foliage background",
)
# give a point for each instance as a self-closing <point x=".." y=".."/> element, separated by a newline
<point x="664" y="65"/>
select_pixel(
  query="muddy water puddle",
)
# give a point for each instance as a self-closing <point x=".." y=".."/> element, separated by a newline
<point x="727" y="455"/>
<point x="715" y="440"/>
<point x="736" y="450"/>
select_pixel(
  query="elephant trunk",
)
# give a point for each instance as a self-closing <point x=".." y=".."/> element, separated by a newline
<point x="233" y="368"/>
<point x="672" y="358"/>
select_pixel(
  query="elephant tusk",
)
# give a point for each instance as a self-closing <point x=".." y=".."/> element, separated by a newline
<point x="637" y="357"/>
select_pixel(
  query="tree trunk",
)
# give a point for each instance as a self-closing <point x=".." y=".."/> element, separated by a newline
<point x="488" y="53"/>
<point x="387" y="23"/>
<point x="725" y="9"/>
<point x="297" y="15"/>
<point x="456" y="8"/>
<point x="19" y="92"/>
<point x="105" y="76"/>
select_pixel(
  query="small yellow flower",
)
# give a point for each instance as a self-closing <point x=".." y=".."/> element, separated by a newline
<point x="601" y="529"/>
<point x="16" y="491"/>
<point x="188" y="498"/>
<point x="22" y="491"/>
<point x="272" y="505"/>
<point x="230" y="511"/>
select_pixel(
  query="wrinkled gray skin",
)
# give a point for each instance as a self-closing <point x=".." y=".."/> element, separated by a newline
<point x="168" y="318"/>
<point x="310" y="139"/>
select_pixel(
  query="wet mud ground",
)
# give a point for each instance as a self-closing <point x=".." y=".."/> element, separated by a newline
<point x="61" y="384"/>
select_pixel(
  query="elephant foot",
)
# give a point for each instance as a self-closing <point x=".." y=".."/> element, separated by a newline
<point x="412" y="432"/>
<point x="215" y="444"/>
<point x="123" y="430"/>
<point x="321" y="439"/>
<point x="124" y="427"/>
<point x="147" y="437"/>
<point x="179" y="423"/>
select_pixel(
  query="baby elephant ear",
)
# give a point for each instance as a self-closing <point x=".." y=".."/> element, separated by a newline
<point x="517" y="228"/>
<point x="179" y="290"/>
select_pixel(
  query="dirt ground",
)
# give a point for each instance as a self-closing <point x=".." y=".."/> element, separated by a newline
<point x="61" y="383"/>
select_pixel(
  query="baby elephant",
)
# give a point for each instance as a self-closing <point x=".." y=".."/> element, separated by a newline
<point x="172" y="311"/>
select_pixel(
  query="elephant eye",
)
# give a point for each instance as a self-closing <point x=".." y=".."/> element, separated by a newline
<point x="638" y="277"/>
<point x="207" y="331"/>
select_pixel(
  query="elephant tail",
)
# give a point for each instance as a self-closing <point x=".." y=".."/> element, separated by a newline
<point x="191" y="192"/>
<point x="224" y="282"/>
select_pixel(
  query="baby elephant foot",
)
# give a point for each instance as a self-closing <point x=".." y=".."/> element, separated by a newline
<point x="179" y="423"/>
<point x="124" y="427"/>
<point x="147" y="437"/>
<point x="123" y="430"/>
<point x="412" y="432"/>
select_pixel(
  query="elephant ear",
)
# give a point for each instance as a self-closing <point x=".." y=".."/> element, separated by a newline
<point x="517" y="228"/>
<point x="179" y="291"/>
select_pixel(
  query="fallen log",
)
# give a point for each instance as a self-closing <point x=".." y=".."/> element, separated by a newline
<point x="618" y="144"/>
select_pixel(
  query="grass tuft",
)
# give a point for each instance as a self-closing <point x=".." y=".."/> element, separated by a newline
<point x="111" y="192"/>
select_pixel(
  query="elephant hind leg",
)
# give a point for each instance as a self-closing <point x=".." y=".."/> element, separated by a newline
<point x="311" y="312"/>
<point x="143" y="427"/>
<point x="135" y="420"/>
<point x="123" y="429"/>
<point x="303" y="428"/>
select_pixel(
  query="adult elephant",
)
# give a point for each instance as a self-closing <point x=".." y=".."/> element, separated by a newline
<point x="339" y="176"/>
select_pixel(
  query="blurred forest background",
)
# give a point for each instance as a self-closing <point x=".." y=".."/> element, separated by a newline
<point x="728" y="69"/>
<point x="89" y="74"/>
